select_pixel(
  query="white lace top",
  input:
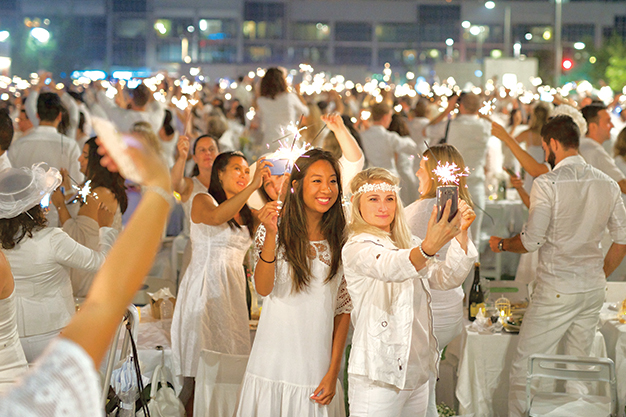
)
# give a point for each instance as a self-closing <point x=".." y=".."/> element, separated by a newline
<point x="63" y="383"/>
<point x="317" y="250"/>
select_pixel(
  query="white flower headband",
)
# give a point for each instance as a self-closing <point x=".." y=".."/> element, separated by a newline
<point x="379" y="186"/>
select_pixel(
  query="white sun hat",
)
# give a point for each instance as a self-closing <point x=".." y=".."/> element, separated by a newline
<point x="23" y="188"/>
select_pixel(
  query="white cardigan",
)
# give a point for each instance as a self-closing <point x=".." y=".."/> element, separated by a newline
<point x="382" y="283"/>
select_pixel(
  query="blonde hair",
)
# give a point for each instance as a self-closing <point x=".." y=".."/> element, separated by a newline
<point x="145" y="130"/>
<point x="400" y="234"/>
<point x="444" y="153"/>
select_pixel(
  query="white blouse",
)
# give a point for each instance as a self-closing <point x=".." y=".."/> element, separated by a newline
<point x="40" y="267"/>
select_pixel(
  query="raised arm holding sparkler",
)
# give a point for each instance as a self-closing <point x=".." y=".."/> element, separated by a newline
<point x="349" y="146"/>
<point x="529" y="163"/>
<point x="234" y="180"/>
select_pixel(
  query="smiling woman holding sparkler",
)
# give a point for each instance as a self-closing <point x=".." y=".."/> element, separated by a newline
<point x="299" y="344"/>
<point x="211" y="311"/>
<point x="275" y="187"/>
<point x="40" y="256"/>
<point x="447" y="305"/>
<point x="389" y="275"/>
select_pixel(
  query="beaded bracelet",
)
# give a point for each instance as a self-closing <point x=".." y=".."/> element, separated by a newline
<point x="424" y="254"/>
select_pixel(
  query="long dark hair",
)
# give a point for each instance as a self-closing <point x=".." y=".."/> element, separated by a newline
<point x="293" y="233"/>
<point x="13" y="230"/>
<point x="273" y="83"/>
<point x="196" y="171"/>
<point x="102" y="177"/>
<point x="218" y="193"/>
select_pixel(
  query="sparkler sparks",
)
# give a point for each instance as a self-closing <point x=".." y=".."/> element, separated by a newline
<point x="449" y="173"/>
<point x="488" y="107"/>
<point x="83" y="192"/>
<point x="291" y="152"/>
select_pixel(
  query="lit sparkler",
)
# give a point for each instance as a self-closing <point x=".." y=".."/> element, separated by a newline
<point x="84" y="191"/>
<point x="449" y="173"/>
<point x="291" y="152"/>
<point x="488" y="107"/>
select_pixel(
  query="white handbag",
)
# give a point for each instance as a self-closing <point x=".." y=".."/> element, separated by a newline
<point x="163" y="401"/>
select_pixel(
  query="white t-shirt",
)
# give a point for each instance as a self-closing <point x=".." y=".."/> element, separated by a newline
<point x="278" y="113"/>
<point x="597" y="157"/>
<point x="380" y="146"/>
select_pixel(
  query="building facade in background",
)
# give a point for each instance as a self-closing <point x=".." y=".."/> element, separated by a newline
<point x="228" y="36"/>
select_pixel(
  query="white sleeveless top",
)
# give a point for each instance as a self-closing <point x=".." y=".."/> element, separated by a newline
<point x="12" y="360"/>
<point x="198" y="188"/>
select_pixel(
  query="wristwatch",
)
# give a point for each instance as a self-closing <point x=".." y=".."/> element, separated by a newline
<point x="501" y="245"/>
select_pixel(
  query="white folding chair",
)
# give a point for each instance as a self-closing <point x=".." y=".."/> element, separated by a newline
<point x="571" y="368"/>
<point x="132" y="318"/>
<point x="217" y="383"/>
<point x="615" y="291"/>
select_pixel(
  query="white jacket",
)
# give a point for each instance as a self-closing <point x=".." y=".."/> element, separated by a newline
<point x="381" y="281"/>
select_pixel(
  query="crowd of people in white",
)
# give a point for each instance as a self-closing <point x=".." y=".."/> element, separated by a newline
<point x="333" y="246"/>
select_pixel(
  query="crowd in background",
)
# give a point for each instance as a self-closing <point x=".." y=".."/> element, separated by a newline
<point x="214" y="138"/>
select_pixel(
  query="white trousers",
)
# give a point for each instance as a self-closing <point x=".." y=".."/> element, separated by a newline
<point x="35" y="345"/>
<point x="477" y="191"/>
<point x="369" y="398"/>
<point x="445" y="334"/>
<point x="552" y="316"/>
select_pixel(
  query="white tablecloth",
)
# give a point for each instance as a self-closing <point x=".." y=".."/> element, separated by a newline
<point x="615" y="336"/>
<point x="483" y="370"/>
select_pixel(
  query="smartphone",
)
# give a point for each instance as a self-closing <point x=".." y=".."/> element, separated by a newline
<point x="509" y="171"/>
<point x="445" y="193"/>
<point x="280" y="166"/>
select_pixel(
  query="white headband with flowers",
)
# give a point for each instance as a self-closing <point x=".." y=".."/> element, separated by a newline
<point x="379" y="186"/>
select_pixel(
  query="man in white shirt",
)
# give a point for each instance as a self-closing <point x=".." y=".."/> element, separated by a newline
<point x="380" y="146"/>
<point x="142" y="109"/>
<point x="23" y="125"/>
<point x="68" y="102"/>
<point x="469" y="134"/>
<point x="570" y="208"/>
<point x="599" y="127"/>
<point x="6" y="136"/>
<point x="45" y="144"/>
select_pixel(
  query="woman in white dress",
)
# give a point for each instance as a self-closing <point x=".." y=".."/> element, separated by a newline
<point x="65" y="381"/>
<point x="277" y="108"/>
<point x="389" y="274"/>
<point x="447" y="306"/>
<point x="12" y="360"/>
<point x="299" y="343"/>
<point x="107" y="191"/>
<point x="203" y="153"/>
<point x="40" y="257"/>
<point x="211" y="311"/>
